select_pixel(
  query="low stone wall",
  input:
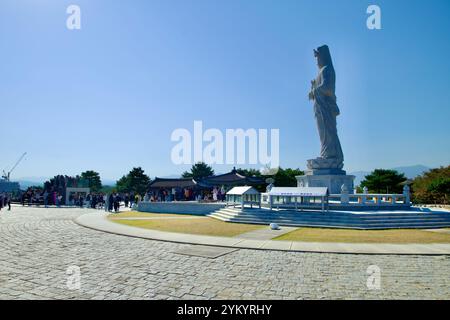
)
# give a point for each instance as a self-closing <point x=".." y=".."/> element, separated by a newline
<point x="193" y="208"/>
<point x="438" y="206"/>
<point x="346" y="207"/>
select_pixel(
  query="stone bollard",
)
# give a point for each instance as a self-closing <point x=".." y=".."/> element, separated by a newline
<point x="406" y="194"/>
<point x="274" y="226"/>
<point x="364" y="197"/>
<point x="378" y="199"/>
<point x="345" y="199"/>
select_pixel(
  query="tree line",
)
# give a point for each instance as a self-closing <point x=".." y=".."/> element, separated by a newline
<point x="432" y="187"/>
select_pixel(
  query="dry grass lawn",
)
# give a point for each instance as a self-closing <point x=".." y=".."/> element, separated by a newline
<point x="135" y="214"/>
<point x="199" y="226"/>
<point x="212" y="227"/>
<point x="365" y="236"/>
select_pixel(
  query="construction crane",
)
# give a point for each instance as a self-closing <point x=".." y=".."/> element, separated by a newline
<point x="7" y="176"/>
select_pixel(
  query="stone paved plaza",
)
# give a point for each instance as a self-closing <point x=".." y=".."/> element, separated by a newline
<point x="38" y="245"/>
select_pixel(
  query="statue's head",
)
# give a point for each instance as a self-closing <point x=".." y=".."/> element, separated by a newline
<point x="323" y="56"/>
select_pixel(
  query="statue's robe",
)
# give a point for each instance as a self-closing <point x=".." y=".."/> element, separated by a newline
<point x="326" y="111"/>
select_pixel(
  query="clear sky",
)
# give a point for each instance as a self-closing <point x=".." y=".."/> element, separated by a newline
<point x="107" y="97"/>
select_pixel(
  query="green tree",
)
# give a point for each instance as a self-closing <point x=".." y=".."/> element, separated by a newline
<point x="198" y="171"/>
<point x="93" y="180"/>
<point x="123" y="185"/>
<point x="254" y="173"/>
<point x="287" y="177"/>
<point x="108" y="189"/>
<point x="135" y="181"/>
<point x="440" y="189"/>
<point x="432" y="186"/>
<point x="384" y="181"/>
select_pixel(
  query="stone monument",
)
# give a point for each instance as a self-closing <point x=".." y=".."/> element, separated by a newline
<point x="326" y="170"/>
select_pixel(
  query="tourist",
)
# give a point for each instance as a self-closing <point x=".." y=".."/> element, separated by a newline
<point x="103" y="198"/>
<point x="58" y="200"/>
<point x="127" y="199"/>
<point x="131" y="199"/>
<point x="215" y="193"/>
<point x="46" y="199"/>
<point x="116" y="200"/>
<point x="137" y="199"/>
<point x="222" y="192"/>
<point x="110" y="202"/>
<point x="106" y="202"/>
<point x="22" y="199"/>
<point x="88" y="200"/>
<point x="8" y="201"/>
<point x="5" y="200"/>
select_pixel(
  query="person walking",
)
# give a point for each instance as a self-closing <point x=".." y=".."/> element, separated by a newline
<point x="88" y="200"/>
<point x="46" y="195"/>
<point x="127" y="200"/>
<point x="131" y="199"/>
<point x="116" y="203"/>
<point x="110" y="202"/>
<point x="22" y="199"/>
<point x="105" y="202"/>
<point x="9" y="202"/>
<point x="58" y="200"/>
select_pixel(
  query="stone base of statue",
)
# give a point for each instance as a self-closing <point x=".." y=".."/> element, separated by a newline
<point x="326" y="173"/>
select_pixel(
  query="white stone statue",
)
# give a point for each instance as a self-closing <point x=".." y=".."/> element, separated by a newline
<point x="326" y="111"/>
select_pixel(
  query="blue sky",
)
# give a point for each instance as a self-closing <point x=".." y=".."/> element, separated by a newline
<point x="107" y="97"/>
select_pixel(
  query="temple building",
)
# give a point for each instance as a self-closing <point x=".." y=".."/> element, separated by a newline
<point x="196" y="189"/>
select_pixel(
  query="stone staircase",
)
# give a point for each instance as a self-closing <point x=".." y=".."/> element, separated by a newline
<point x="414" y="218"/>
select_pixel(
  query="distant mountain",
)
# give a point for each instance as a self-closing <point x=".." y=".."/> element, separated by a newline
<point x="412" y="171"/>
<point x="409" y="171"/>
<point x="39" y="181"/>
<point x="109" y="182"/>
<point x="25" y="184"/>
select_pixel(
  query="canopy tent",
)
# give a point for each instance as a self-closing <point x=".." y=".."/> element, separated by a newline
<point x="281" y="196"/>
<point x="299" y="191"/>
<point x="242" y="196"/>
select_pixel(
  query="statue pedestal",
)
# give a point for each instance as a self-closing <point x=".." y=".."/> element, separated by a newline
<point x="331" y="178"/>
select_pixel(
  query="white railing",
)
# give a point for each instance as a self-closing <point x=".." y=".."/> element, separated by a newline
<point x="356" y="199"/>
<point x="368" y="199"/>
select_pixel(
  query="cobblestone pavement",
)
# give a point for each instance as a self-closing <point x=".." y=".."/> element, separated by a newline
<point x="37" y="246"/>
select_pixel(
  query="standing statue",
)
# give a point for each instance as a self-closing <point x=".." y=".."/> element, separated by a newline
<point x="326" y="111"/>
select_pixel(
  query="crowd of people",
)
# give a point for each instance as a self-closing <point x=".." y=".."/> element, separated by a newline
<point x="217" y="194"/>
<point x="109" y="202"/>
<point x="37" y="197"/>
<point x="5" y="201"/>
<point x="113" y="201"/>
